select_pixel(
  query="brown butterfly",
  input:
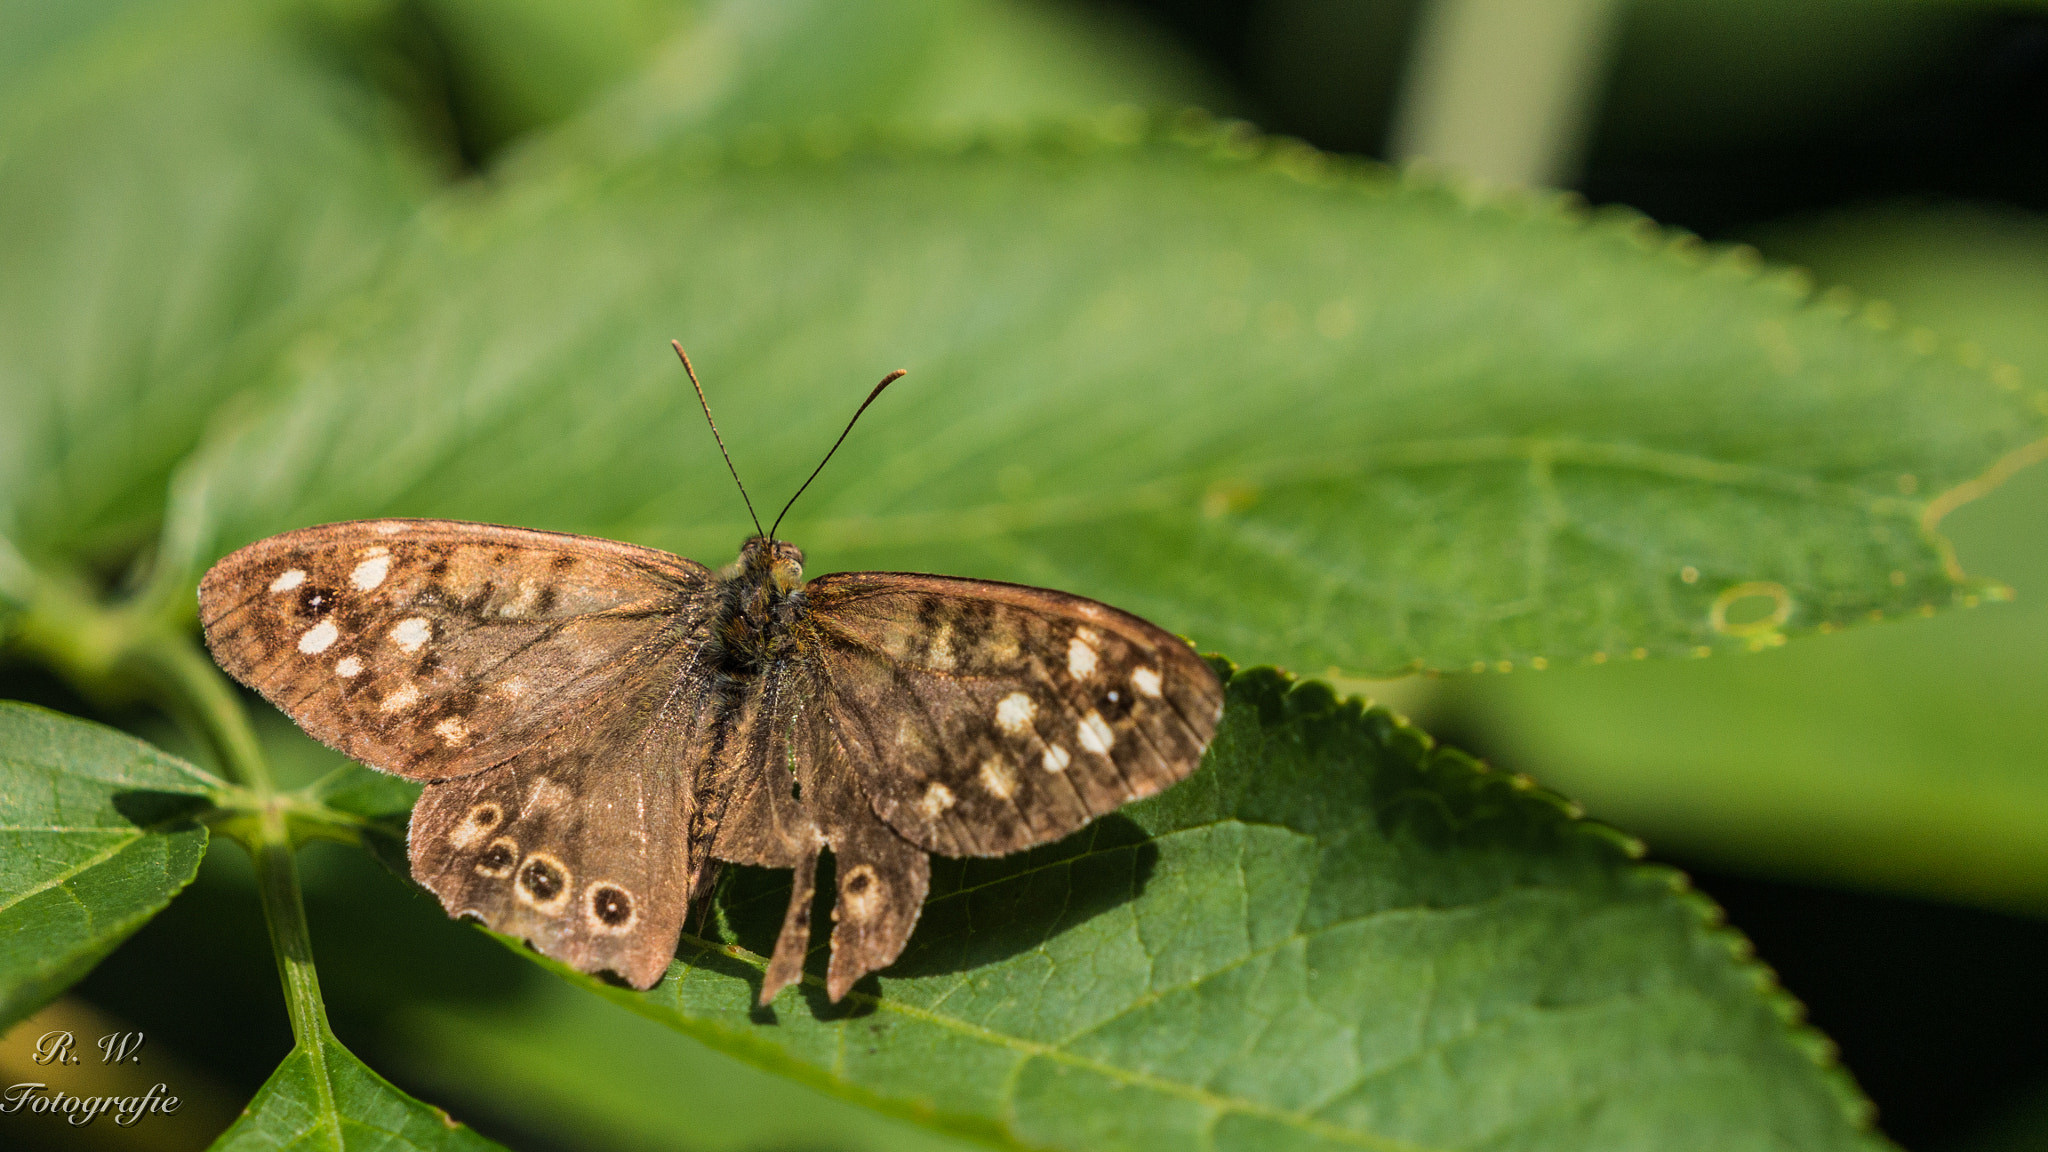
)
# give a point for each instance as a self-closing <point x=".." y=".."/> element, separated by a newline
<point x="599" y="723"/>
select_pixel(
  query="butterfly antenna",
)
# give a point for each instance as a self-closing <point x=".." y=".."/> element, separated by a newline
<point x="706" y="405"/>
<point x="891" y="378"/>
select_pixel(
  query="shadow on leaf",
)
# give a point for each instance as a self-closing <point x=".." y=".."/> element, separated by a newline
<point x="979" y="911"/>
<point x="159" y="811"/>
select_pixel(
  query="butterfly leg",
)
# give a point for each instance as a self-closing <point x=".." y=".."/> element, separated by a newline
<point x="787" y="965"/>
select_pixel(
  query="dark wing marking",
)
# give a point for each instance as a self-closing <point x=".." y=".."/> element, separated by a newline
<point x="436" y="648"/>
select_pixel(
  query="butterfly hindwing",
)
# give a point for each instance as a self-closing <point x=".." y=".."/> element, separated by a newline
<point x="435" y="648"/>
<point x="589" y="863"/>
<point x="592" y="843"/>
<point x="983" y="718"/>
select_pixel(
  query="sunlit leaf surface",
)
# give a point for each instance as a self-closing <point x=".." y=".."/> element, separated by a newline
<point x="97" y="833"/>
<point x="1323" y="420"/>
<point x="1334" y="935"/>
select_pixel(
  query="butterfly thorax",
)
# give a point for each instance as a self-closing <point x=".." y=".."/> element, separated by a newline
<point x="761" y="597"/>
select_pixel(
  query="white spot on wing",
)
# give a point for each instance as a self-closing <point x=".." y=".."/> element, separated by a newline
<point x="1080" y="658"/>
<point x="1014" y="713"/>
<point x="860" y="893"/>
<point x="908" y="735"/>
<point x="940" y="654"/>
<point x="546" y="794"/>
<point x="937" y="798"/>
<point x="348" y="666"/>
<point x="1057" y="758"/>
<point x="371" y="572"/>
<point x="406" y="696"/>
<point x="289" y="579"/>
<point x="999" y="778"/>
<point x="478" y="824"/>
<point x="319" y="638"/>
<point x="389" y="528"/>
<point x="1094" y="734"/>
<point x="412" y="633"/>
<point x="452" y="731"/>
<point x="1146" y="681"/>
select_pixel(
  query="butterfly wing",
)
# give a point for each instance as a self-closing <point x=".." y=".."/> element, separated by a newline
<point x="436" y="648"/>
<point x="588" y="844"/>
<point x="982" y="718"/>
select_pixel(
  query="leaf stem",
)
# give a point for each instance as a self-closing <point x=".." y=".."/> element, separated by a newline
<point x="184" y="674"/>
<point x="119" y="652"/>
<point x="284" y="910"/>
<point x="135" y="650"/>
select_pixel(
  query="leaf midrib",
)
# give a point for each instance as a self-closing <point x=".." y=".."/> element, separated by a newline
<point x="1068" y="508"/>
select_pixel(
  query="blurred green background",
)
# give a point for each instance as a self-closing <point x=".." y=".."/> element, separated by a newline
<point x="1871" y="807"/>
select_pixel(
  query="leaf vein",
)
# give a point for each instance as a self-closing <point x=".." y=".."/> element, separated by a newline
<point x="63" y="878"/>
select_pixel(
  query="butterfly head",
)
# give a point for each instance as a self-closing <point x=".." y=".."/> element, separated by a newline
<point x="781" y="562"/>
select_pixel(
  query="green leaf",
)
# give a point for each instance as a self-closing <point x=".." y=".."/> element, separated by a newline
<point x="1908" y="758"/>
<point x="819" y="66"/>
<point x="32" y="31"/>
<point x="336" y="1103"/>
<point x="578" y="1071"/>
<point x="97" y="833"/>
<point x="184" y="190"/>
<point x="1969" y="271"/>
<point x="378" y="804"/>
<point x="1333" y="935"/>
<point x="517" y="65"/>
<point x="1911" y="758"/>
<point x="1301" y="412"/>
<point x="1021" y="58"/>
<point x="738" y="64"/>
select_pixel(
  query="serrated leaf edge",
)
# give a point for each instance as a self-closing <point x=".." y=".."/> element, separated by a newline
<point x="1305" y="699"/>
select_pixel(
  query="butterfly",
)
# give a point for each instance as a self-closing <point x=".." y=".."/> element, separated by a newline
<point x="599" y="725"/>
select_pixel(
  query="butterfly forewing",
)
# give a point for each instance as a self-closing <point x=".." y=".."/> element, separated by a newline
<point x="984" y="718"/>
<point x="433" y="648"/>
